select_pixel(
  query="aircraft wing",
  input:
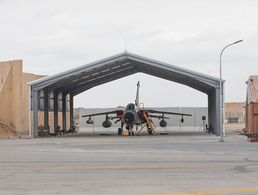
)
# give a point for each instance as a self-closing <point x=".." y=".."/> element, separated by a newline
<point x="159" y="117"/>
<point x="164" y="112"/>
<point x="118" y="112"/>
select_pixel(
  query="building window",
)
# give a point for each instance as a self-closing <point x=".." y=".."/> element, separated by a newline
<point x="232" y="120"/>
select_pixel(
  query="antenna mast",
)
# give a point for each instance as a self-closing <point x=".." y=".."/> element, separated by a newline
<point x="125" y="44"/>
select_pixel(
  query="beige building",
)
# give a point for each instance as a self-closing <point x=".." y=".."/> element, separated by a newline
<point x="14" y="99"/>
<point x="14" y="102"/>
<point x="234" y="115"/>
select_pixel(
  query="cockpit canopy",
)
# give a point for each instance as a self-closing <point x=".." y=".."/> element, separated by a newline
<point x="130" y="106"/>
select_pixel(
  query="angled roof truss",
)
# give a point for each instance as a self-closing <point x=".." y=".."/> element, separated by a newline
<point x="90" y="75"/>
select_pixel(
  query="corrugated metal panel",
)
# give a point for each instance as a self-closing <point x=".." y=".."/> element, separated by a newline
<point x="252" y="120"/>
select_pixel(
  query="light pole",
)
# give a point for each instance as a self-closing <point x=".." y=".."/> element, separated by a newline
<point x="221" y="90"/>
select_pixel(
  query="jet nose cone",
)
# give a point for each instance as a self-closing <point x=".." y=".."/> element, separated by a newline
<point x="129" y="117"/>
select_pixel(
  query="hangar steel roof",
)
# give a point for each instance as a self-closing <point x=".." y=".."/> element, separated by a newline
<point x="82" y="78"/>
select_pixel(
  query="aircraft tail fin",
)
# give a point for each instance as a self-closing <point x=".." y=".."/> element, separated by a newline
<point x="137" y="102"/>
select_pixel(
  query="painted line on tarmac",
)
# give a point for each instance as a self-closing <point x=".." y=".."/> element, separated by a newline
<point x="117" y="165"/>
<point x="211" y="192"/>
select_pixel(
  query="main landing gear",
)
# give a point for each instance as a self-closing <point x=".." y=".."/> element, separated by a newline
<point x="128" y="132"/>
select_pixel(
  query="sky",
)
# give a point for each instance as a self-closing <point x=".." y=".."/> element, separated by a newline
<point x="52" y="36"/>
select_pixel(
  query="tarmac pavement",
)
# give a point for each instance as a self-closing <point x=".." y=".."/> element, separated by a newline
<point x="174" y="164"/>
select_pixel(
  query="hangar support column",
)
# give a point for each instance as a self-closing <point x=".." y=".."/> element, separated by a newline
<point x="35" y="112"/>
<point x="71" y="112"/>
<point x="211" y="110"/>
<point x="55" y="110"/>
<point x="214" y="111"/>
<point x="64" y="111"/>
<point x="217" y="112"/>
<point x="46" y="109"/>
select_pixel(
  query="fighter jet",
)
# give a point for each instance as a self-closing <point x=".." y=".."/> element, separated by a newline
<point x="137" y="115"/>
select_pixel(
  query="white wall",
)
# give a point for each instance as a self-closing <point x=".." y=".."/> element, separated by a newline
<point x="193" y="122"/>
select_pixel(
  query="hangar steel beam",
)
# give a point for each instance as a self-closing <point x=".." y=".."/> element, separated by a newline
<point x="178" y="70"/>
<point x="190" y="82"/>
<point x="101" y="77"/>
<point x="181" y="76"/>
<point x="77" y="91"/>
<point x="48" y="81"/>
<point x="88" y="74"/>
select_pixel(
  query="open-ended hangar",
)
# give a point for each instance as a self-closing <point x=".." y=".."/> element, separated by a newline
<point x="64" y="86"/>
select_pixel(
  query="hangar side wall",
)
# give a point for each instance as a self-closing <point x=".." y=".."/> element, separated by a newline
<point x="26" y="77"/>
